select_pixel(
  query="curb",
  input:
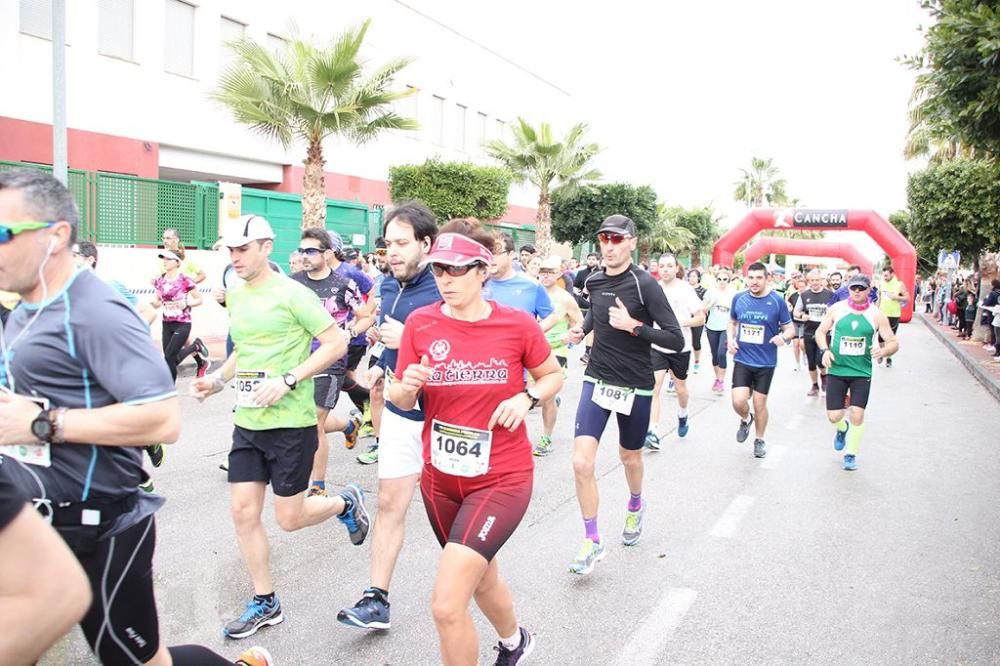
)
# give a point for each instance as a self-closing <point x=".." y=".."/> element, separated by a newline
<point x="967" y="359"/>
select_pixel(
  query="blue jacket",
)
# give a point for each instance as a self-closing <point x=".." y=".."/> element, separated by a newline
<point x="398" y="302"/>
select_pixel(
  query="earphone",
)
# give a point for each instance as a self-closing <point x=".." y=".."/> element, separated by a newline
<point x="52" y="243"/>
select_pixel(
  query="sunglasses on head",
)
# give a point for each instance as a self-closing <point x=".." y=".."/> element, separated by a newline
<point x="454" y="271"/>
<point x="10" y="229"/>
<point x="611" y="237"/>
<point x="310" y="250"/>
<point x="381" y="252"/>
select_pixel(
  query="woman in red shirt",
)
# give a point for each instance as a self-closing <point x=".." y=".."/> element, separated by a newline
<point x="464" y="359"/>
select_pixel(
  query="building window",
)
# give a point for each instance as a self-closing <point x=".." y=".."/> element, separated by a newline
<point x="36" y="18"/>
<point x="480" y="130"/>
<point x="437" y="120"/>
<point x="276" y="43"/>
<point x="179" y="21"/>
<point x="115" y="28"/>
<point x="231" y="31"/>
<point x="501" y="130"/>
<point x="460" y="126"/>
<point x="409" y="107"/>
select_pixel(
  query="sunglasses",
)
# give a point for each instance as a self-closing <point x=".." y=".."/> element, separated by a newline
<point x="610" y="237"/>
<point x="858" y="287"/>
<point x="454" y="271"/>
<point x="10" y="229"/>
<point x="547" y="271"/>
<point x="381" y="252"/>
<point x="310" y="250"/>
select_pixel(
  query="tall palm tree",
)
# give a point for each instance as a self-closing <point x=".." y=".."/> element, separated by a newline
<point x="664" y="236"/>
<point x="928" y="136"/>
<point x="307" y="93"/>
<point x="760" y="185"/>
<point x="535" y="156"/>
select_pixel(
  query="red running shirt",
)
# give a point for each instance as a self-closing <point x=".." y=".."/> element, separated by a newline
<point x="477" y="365"/>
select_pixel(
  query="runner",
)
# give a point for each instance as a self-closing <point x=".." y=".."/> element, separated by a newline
<point x="625" y="303"/>
<point x="792" y="299"/>
<point x="688" y="309"/>
<point x="478" y="467"/>
<point x="854" y="324"/>
<point x="810" y="311"/>
<point x="46" y="591"/>
<point x="376" y="387"/>
<point x="98" y="393"/>
<point x="717" y="305"/>
<point x="273" y="321"/>
<point x="841" y="293"/>
<point x="759" y="323"/>
<point x="697" y="332"/>
<point x="172" y="242"/>
<point x="836" y="281"/>
<point x="410" y="230"/>
<point x="890" y="301"/>
<point x="177" y="294"/>
<point x="341" y="298"/>
<point x="568" y="316"/>
<point x="517" y="289"/>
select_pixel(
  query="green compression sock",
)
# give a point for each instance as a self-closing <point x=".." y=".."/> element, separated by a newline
<point x="841" y="425"/>
<point x="854" y="438"/>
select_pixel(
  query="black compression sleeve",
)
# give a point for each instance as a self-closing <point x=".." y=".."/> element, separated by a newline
<point x="588" y="322"/>
<point x="669" y="334"/>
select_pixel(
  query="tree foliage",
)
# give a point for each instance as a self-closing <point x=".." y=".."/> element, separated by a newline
<point x="926" y="255"/>
<point x="956" y="100"/>
<point x="703" y="224"/>
<point x="453" y="189"/>
<point x="955" y="205"/>
<point x="576" y="216"/>
<point x="306" y="93"/>
<point x="760" y="185"/>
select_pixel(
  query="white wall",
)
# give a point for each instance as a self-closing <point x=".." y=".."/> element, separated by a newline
<point x="138" y="99"/>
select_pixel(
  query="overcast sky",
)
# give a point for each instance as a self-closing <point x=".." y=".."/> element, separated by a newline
<point x="682" y="94"/>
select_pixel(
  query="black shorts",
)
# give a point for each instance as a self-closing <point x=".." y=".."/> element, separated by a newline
<point x="755" y="379"/>
<point x="281" y="456"/>
<point x="837" y="388"/>
<point x="326" y="390"/>
<point x="591" y="419"/>
<point x="562" y="361"/>
<point x="480" y="513"/>
<point x="814" y="355"/>
<point x="354" y="355"/>
<point x="677" y="363"/>
<point x="121" y="624"/>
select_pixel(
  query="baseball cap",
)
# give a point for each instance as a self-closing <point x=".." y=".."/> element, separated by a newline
<point x="457" y="250"/>
<point x="618" y="224"/>
<point x="350" y="253"/>
<point x="859" y="280"/>
<point x="551" y="263"/>
<point x="167" y="254"/>
<point x="247" y="228"/>
<point x="380" y="244"/>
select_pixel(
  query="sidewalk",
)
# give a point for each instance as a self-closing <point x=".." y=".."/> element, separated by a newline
<point x="972" y="355"/>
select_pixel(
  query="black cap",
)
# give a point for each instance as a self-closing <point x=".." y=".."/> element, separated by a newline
<point x="380" y="244"/>
<point x="350" y="253"/>
<point x="618" y="224"/>
<point x="859" y="280"/>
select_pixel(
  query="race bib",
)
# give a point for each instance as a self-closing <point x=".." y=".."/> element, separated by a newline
<point x="247" y="382"/>
<point x="817" y="312"/>
<point x="722" y="309"/>
<point x="377" y="349"/>
<point x="36" y="453"/>
<point x="752" y="334"/>
<point x="173" y="309"/>
<point x="853" y="346"/>
<point x="614" y="398"/>
<point x="460" y="451"/>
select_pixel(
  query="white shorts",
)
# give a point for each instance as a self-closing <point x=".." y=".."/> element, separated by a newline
<point x="400" y="446"/>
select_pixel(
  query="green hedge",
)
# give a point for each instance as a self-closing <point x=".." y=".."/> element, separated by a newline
<point x="453" y="189"/>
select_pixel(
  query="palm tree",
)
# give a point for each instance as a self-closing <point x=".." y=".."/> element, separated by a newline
<point x="308" y="93"/>
<point x="664" y="236"/>
<point x="927" y="136"/>
<point x="549" y="165"/>
<point x="760" y="185"/>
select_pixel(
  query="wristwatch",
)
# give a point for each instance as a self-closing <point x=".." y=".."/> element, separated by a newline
<point x="533" y="396"/>
<point x="290" y="381"/>
<point x="47" y="426"/>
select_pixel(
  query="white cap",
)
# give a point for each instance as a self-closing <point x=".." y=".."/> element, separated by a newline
<point x="247" y="228"/>
<point x="167" y="254"/>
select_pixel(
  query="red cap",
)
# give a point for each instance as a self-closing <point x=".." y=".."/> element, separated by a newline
<point x="457" y="250"/>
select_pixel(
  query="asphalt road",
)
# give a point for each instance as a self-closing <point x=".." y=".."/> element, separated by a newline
<point x="784" y="560"/>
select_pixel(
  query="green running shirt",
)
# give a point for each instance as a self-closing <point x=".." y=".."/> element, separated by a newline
<point x="853" y="337"/>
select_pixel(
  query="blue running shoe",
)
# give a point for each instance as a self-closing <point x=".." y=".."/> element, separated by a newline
<point x="682" y="426"/>
<point x="371" y="611"/>
<point x="355" y="517"/>
<point x="840" y="439"/>
<point x="256" y="615"/>
<point x="849" y="463"/>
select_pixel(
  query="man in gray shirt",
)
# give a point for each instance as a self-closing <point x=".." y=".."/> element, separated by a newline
<point x="81" y="390"/>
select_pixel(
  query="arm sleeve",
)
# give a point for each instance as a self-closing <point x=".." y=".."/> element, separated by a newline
<point x="543" y="304"/>
<point x="588" y="322"/>
<point x="579" y="279"/>
<point x="669" y="334"/>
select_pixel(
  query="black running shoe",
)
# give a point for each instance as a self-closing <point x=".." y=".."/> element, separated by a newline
<point x="517" y="655"/>
<point x="156" y="454"/>
<point x="371" y="612"/>
<point x="744" y="430"/>
<point x="201" y="348"/>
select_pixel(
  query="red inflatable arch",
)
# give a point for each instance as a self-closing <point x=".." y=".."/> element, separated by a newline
<point x="901" y="253"/>
<point x="771" y="245"/>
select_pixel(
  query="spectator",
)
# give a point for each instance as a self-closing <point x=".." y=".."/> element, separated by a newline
<point x="526" y="253"/>
<point x="969" y="319"/>
<point x="992" y="300"/>
<point x="295" y="263"/>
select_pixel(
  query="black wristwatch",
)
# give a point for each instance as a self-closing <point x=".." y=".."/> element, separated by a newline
<point x="532" y="396"/>
<point x="290" y="381"/>
<point x="42" y="428"/>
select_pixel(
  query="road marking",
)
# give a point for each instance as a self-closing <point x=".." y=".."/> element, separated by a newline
<point x="730" y="520"/>
<point x="643" y="648"/>
<point x="795" y="422"/>
<point x="774" y="456"/>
